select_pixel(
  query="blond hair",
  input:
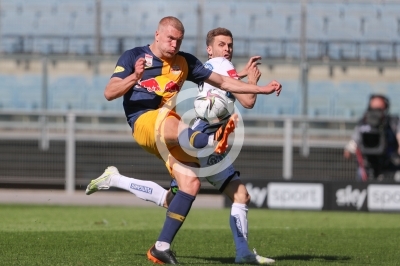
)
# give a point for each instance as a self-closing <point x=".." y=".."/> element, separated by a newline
<point x="171" y="21"/>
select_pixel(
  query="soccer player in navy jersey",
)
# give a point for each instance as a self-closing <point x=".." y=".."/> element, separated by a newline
<point x="149" y="78"/>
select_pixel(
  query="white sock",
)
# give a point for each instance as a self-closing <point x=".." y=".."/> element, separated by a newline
<point x="161" y="246"/>
<point x="238" y="223"/>
<point x="146" y="190"/>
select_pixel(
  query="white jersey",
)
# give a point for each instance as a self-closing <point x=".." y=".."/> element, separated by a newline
<point x="226" y="172"/>
<point x="223" y="67"/>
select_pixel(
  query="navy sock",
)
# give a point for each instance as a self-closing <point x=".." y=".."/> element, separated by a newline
<point x="190" y="139"/>
<point x="176" y="214"/>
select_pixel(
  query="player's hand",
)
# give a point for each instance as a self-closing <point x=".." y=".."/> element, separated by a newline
<point x="346" y="154"/>
<point x="273" y="86"/>
<point x="139" y="68"/>
<point x="253" y="75"/>
<point x="253" y="61"/>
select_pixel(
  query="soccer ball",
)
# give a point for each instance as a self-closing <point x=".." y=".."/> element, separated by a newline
<point x="213" y="106"/>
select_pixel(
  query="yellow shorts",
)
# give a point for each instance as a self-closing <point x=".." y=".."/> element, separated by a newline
<point x="148" y="130"/>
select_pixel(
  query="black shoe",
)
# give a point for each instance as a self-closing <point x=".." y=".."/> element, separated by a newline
<point x="161" y="257"/>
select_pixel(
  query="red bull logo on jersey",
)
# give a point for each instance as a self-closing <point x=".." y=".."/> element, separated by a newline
<point x="150" y="84"/>
<point x="160" y="85"/>
<point x="172" y="86"/>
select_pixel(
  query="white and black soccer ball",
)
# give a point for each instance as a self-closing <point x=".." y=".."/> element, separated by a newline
<point x="212" y="105"/>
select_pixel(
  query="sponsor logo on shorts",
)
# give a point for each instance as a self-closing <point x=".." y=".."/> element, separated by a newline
<point x="144" y="189"/>
<point x="215" y="158"/>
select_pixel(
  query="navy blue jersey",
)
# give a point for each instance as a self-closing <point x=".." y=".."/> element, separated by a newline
<point x="160" y="82"/>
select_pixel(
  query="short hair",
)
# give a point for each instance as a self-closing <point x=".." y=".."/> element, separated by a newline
<point x="216" y="32"/>
<point x="172" y="21"/>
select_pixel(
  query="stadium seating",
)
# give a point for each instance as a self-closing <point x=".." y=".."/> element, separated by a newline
<point x="7" y="92"/>
<point x="95" y="100"/>
<point x="339" y="30"/>
<point x="325" y="98"/>
<point x="351" y="98"/>
<point x="321" y="98"/>
<point x="67" y="93"/>
<point x="343" y="30"/>
<point x="286" y="104"/>
<point x="393" y="92"/>
<point x="28" y="92"/>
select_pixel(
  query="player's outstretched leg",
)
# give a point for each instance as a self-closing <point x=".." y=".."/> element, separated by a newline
<point x="222" y="134"/>
<point x="102" y="182"/>
<point x="254" y="259"/>
<point x="161" y="257"/>
<point x="145" y="190"/>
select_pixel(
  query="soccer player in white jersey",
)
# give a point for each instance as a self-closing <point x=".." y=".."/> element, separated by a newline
<point x="220" y="50"/>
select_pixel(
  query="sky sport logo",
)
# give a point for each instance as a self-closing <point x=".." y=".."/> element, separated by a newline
<point x="141" y="188"/>
<point x="236" y="139"/>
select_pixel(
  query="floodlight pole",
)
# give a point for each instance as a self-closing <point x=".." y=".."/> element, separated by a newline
<point x="305" y="150"/>
<point x="44" y="139"/>
<point x="99" y="40"/>
<point x="70" y="154"/>
<point x="1" y="7"/>
<point x="288" y="149"/>
<point x="199" y="35"/>
<point x="98" y="27"/>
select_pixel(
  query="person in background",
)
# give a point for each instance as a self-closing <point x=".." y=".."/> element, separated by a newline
<point x="375" y="142"/>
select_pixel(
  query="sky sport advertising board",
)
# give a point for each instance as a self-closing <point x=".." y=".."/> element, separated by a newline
<point x="383" y="197"/>
<point x="341" y="196"/>
<point x="275" y="195"/>
<point x="295" y="196"/>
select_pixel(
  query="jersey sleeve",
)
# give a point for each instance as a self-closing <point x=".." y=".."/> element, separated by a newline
<point x="197" y="72"/>
<point x="226" y="68"/>
<point x="125" y="65"/>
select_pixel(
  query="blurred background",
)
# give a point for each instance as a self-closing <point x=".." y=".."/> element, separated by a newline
<point x="56" y="56"/>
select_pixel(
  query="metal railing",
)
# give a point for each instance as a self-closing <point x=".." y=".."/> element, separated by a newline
<point x="68" y="130"/>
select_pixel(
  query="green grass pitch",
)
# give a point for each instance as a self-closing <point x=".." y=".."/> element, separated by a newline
<point x="57" y="235"/>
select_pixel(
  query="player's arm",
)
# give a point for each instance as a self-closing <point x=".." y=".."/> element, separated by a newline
<point x="248" y="100"/>
<point x="198" y="73"/>
<point x="237" y="86"/>
<point x="118" y="86"/>
<point x="252" y="61"/>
